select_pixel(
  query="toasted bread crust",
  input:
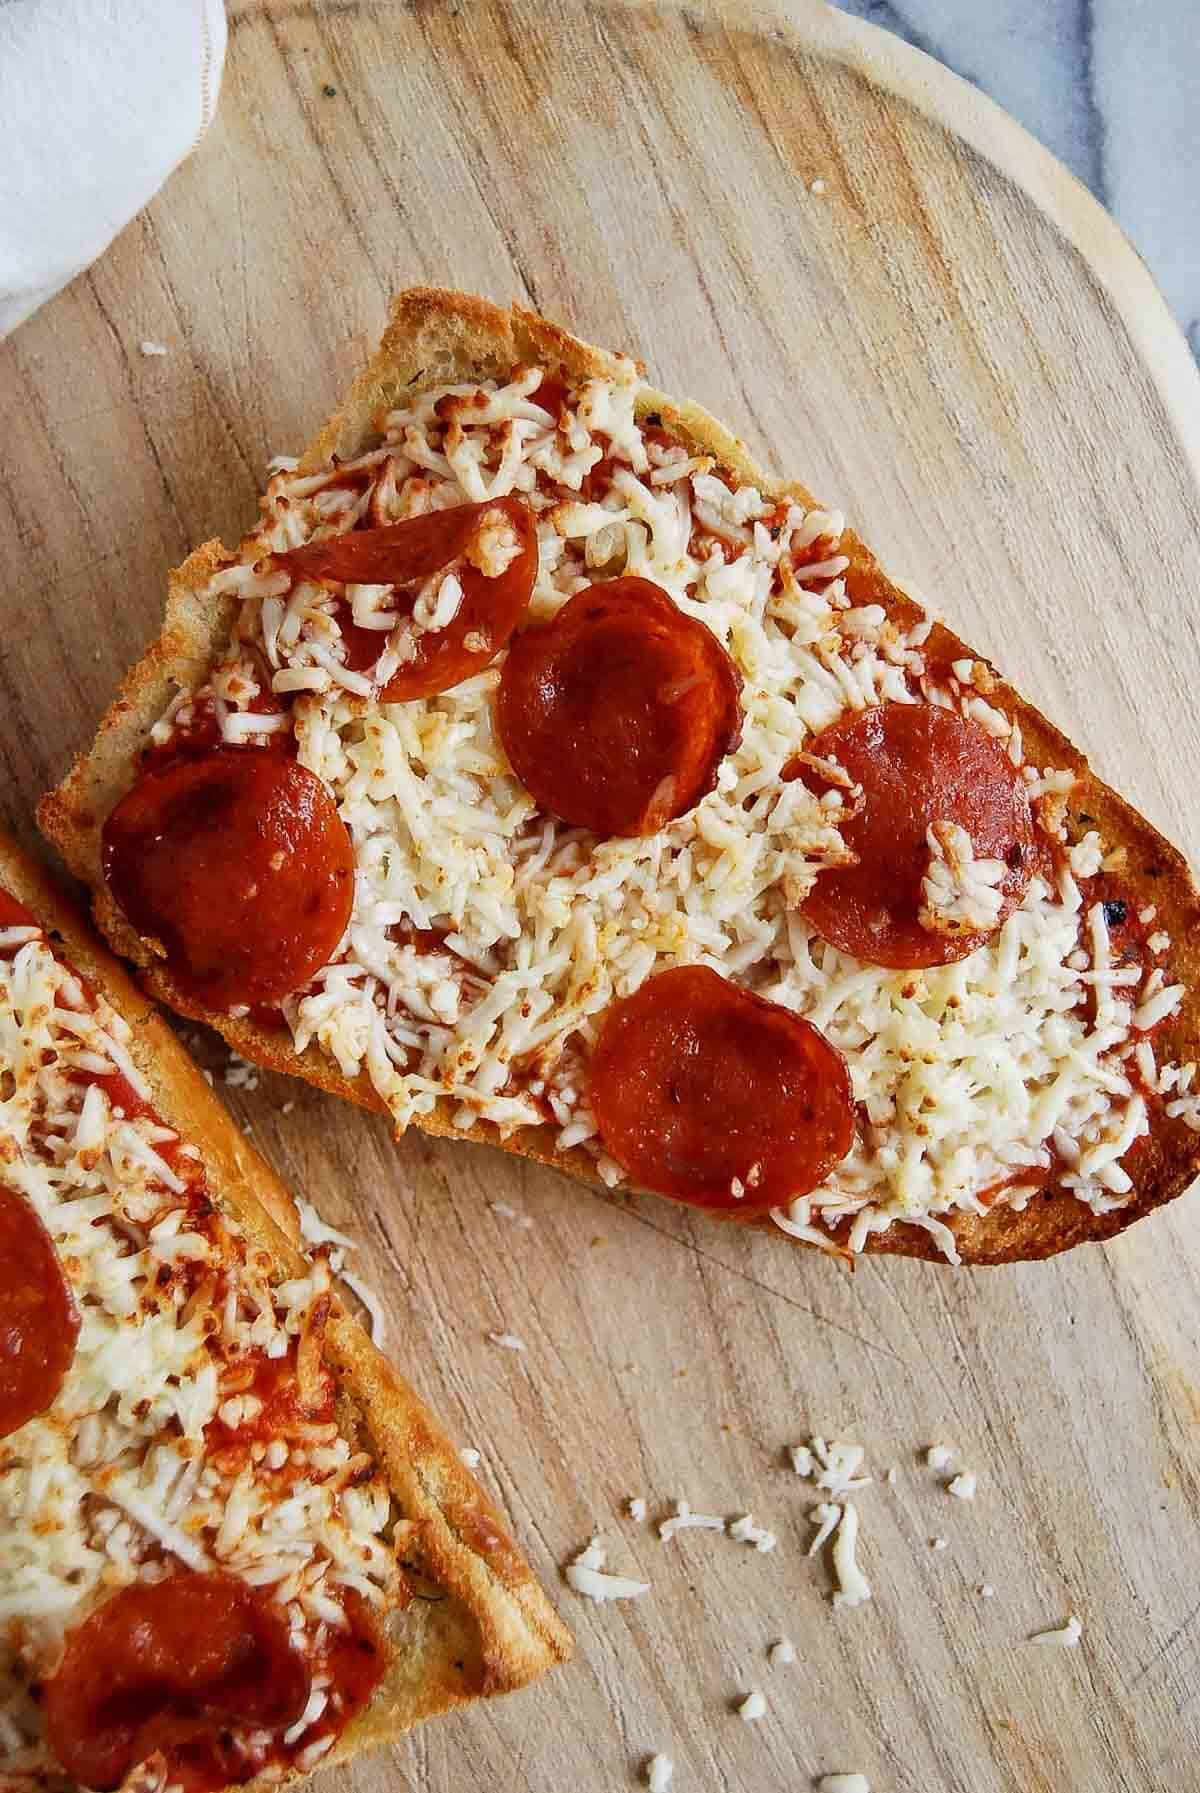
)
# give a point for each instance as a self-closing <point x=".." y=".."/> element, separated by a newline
<point x="497" y="1631"/>
<point x="436" y="335"/>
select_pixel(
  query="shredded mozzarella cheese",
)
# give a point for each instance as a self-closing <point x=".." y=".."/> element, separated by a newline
<point x="585" y="1573"/>
<point x="121" y="1474"/>
<point x="965" y="1072"/>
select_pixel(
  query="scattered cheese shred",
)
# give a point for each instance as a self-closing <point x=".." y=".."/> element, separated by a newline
<point x="843" y="1783"/>
<point x="939" y="1456"/>
<point x="240" y="1073"/>
<point x="853" y="1587"/>
<point x="505" y="1211"/>
<point x="825" y="1518"/>
<point x="744" y="1531"/>
<point x="657" y="1773"/>
<point x="752" y="1707"/>
<point x="964" y="1485"/>
<point x="506" y="1341"/>
<point x="683" y="1519"/>
<point x="781" y="1652"/>
<point x="635" y="1506"/>
<point x="370" y="1300"/>
<point x="1064" y="1637"/>
<point x="585" y="1574"/>
<point x="836" y="1465"/>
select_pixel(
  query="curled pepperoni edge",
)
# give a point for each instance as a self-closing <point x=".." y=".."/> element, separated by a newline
<point x="891" y="850"/>
<point x="415" y="549"/>
<point x="549" y="756"/>
<point x="651" y="1040"/>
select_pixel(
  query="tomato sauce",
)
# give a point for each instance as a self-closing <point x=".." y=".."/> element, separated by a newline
<point x="14" y="914"/>
<point x="273" y="1381"/>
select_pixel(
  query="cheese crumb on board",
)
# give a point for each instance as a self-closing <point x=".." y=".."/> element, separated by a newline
<point x="150" y="348"/>
<point x="505" y="1211"/>
<point x="240" y="1073"/>
<point x="937" y="1544"/>
<point x="892" y="1476"/>
<point x="835" y="1465"/>
<point x="635" y="1506"/>
<point x="841" y="1524"/>
<point x="963" y="1486"/>
<point x="744" y="1531"/>
<point x="752" y="1707"/>
<point x="781" y="1652"/>
<point x="853" y="1587"/>
<point x="939" y="1456"/>
<point x="586" y="1574"/>
<point x="657" y="1773"/>
<point x="506" y="1341"/>
<point x="987" y="1591"/>
<point x="683" y="1519"/>
<point x="470" y="1456"/>
<point x="1063" y="1637"/>
<point x="843" y="1783"/>
<point x="825" y="1518"/>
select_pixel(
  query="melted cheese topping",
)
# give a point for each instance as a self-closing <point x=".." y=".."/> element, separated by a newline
<point x="138" y="1463"/>
<point x="969" y="1077"/>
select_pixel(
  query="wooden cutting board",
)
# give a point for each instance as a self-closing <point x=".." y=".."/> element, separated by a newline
<point x="889" y="289"/>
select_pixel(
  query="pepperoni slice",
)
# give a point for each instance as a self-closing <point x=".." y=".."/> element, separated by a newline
<point x="38" y="1321"/>
<point x="719" y="1098"/>
<point x="403" y="553"/>
<point x="168" y="1665"/>
<point x="917" y="764"/>
<point x="238" y="863"/>
<point x="14" y="914"/>
<point x="618" y="713"/>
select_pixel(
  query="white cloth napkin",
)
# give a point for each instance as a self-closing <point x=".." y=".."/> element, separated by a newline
<point x="100" y="100"/>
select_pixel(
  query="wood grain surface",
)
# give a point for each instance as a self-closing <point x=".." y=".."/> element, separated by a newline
<point x="946" y="337"/>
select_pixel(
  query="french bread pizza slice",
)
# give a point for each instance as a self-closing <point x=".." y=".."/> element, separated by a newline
<point x="234" y="1545"/>
<point x="539" y="771"/>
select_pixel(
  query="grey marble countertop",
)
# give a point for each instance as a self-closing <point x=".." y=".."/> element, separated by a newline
<point x="1111" y="86"/>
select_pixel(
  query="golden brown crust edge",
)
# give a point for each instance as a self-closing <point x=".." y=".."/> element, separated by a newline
<point x="435" y="334"/>
<point x="497" y="1631"/>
